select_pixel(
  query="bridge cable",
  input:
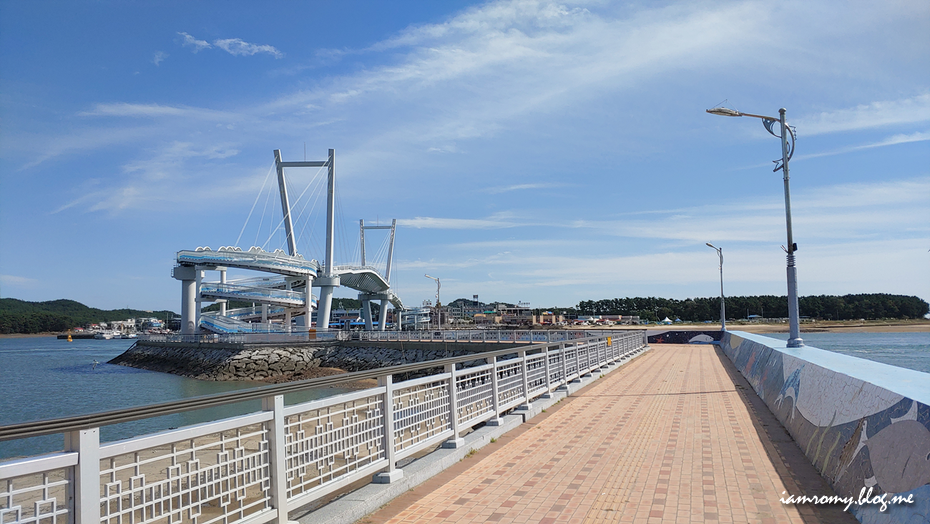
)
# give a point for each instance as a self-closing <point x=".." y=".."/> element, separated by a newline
<point x="254" y="204"/>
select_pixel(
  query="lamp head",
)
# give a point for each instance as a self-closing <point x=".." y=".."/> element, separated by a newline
<point x="711" y="245"/>
<point x="724" y="111"/>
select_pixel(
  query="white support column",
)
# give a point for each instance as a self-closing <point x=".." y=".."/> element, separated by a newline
<point x="287" y="310"/>
<point x="198" y="275"/>
<point x="276" y="454"/>
<point x="188" y="307"/>
<point x="382" y="315"/>
<point x="85" y="476"/>
<point x="366" y="313"/>
<point x="495" y="396"/>
<point x="264" y="313"/>
<point x="392" y="474"/>
<point x="456" y="441"/>
<point x="223" y="281"/>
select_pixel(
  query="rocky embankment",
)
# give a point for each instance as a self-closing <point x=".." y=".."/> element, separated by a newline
<point x="273" y="362"/>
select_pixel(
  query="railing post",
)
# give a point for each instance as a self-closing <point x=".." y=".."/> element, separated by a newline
<point x="524" y="368"/>
<point x="276" y="456"/>
<point x="578" y="362"/>
<point x="495" y="394"/>
<point x="564" y="384"/>
<point x="456" y="441"/>
<point x="548" y="393"/>
<point x="392" y="474"/>
<point x="85" y="476"/>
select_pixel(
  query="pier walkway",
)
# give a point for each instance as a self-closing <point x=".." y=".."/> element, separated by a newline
<point x="674" y="436"/>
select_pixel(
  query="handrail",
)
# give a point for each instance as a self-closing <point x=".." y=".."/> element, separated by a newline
<point x="51" y="426"/>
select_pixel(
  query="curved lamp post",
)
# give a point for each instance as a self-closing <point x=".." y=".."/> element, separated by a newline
<point x="787" y="150"/>
<point x="723" y="308"/>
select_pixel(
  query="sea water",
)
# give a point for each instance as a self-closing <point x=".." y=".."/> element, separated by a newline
<point x="905" y="350"/>
<point x="44" y="377"/>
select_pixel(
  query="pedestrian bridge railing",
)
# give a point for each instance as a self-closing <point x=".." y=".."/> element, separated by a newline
<point x="481" y="335"/>
<point x="255" y="468"/>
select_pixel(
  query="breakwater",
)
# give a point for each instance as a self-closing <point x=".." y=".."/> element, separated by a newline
<point x="262" y="361"/>
<point x="864" y="425"/>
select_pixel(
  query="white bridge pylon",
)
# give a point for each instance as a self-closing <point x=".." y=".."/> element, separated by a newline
<point x="287" y="293"/>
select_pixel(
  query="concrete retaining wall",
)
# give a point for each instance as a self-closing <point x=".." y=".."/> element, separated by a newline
<point x="862" y="424"/>
<point x="263" y="361"/>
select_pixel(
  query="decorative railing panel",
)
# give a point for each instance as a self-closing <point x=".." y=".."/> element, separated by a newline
<point x="253" y="468"/>
<point x="421" y="413"/>
<point x="36" y="490"/>
<point x="327" y="444"/>
<point x="474" y="394"/>
<point x="536" y="372"/>
<point x="510" y="383"/>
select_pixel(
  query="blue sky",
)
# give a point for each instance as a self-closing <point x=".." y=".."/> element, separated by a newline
<point x="530" y="151"/>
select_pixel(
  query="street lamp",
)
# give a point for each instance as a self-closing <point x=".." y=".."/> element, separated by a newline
<point x="438" y="312"/>
<point x="787" y="150"/>
<point x="723" y="308"/>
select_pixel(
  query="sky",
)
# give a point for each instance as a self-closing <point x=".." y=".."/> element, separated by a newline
<point x="530" y="151"/>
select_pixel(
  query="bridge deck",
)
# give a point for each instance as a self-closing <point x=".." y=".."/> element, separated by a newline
<point x="674" y="436"/>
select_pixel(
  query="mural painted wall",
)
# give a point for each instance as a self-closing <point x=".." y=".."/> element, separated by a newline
<point x="856" y="434"/>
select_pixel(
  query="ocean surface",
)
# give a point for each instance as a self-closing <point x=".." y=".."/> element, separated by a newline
<point x="905" y="350"/>
<point x="43" y="378"/>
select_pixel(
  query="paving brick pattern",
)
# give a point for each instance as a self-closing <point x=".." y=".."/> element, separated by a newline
<point x="672" y="437"/>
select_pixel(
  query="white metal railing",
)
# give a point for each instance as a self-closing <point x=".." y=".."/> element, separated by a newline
<point x="256" y="337"/>
<point x="482" y="335"/>
<point x="255" y="468"/>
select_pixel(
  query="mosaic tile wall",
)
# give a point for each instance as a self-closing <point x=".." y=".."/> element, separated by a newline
<point x="858" y="435"/>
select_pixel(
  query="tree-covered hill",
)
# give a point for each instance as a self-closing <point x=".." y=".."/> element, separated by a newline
<point x="827" y="307"/>
<point x="20" y="316"/>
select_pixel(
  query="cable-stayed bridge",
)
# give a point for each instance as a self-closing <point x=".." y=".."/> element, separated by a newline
<point x="284" y="296"/>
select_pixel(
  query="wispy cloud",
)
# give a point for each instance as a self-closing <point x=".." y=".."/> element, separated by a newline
<point x="233" y="46"/>
<point x="889" y="141"/>
<point x="521" y="187"/>
<point x="159" y="57"/>
<point x="876" y="114"/>
<point x="239" y="47"/>
<point x="122" y="109"/>
<point x="197" y="45"/>
<point x="495" y="222"/>
<point x="14" y="280"/>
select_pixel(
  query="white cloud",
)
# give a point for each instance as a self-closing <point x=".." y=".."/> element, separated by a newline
<point x="238" y="47"/>
<point x="159" y="57"/>
<point x="889" y="141"/>
<point x="521" y="187"/>
<point x="876" y="114"/>
<point x="190" y="41"/>
<point x="14" y="280"/>
<point x="456" y="223"/>
<point x="233" y="46"/>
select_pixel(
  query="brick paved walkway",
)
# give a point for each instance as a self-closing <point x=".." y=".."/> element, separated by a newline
<point x="673" y="436"/>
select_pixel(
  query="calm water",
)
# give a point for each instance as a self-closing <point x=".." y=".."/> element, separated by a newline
<point x="905" y="350"/>
<point x="43" y="377"/>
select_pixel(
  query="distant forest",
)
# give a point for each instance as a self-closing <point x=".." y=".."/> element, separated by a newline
<point x="19" y="316"/>
<point x="823" y="307"/>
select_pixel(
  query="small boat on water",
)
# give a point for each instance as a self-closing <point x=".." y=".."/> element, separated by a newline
<point x="106" y="335"/>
